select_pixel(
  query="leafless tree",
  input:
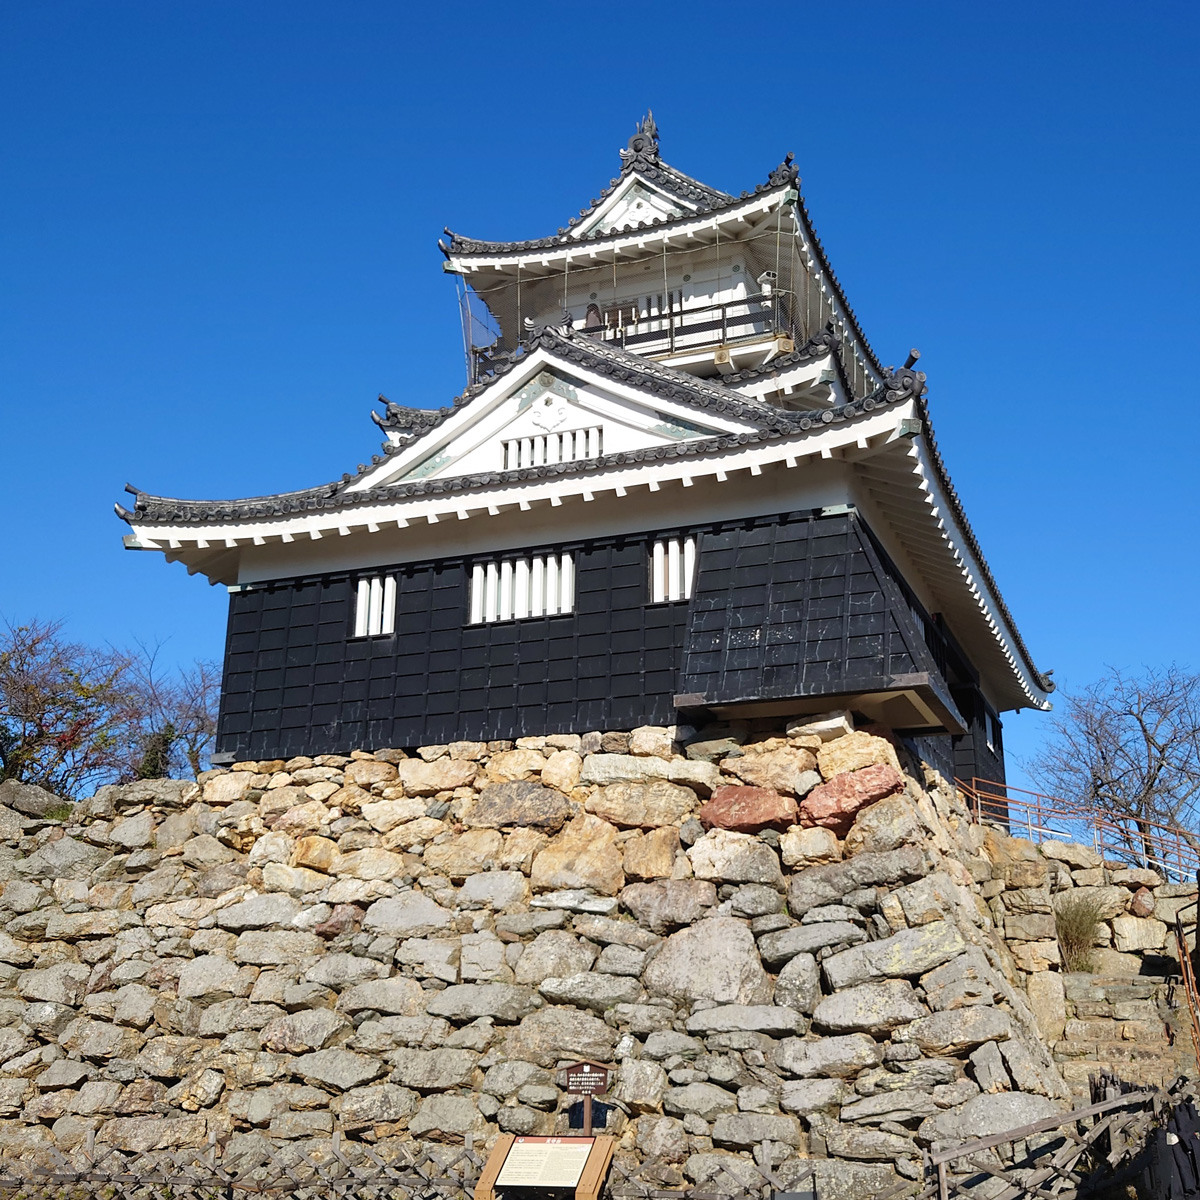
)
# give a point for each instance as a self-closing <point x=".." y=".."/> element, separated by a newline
<point x="1127" y="749"/>
<point x="73" y="717"/>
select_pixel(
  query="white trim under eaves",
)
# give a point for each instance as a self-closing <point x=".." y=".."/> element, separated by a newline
<point x="638" y="239"/>
<point x="480" y="407"/>
<point x="973" y="576"/>
<point x="619" y="193"/>
<point x="862" y="437"/>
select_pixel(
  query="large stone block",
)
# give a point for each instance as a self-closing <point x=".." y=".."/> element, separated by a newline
<point x="409" y="915"/>
<point x="854" y="752"/>
<point x="1134" y="934"/>
<point x="1048" y="1001"/>
<point x="666" y="904"/>
<point x="835" y="803"/>
<point x="784" y="769"/>
<point x="748" y="809"/>
<point x="715" y="959"/>
<point x="735" y="858"/>
<point x="809" y="847"/>
<point x="987" y="1115"/>
<point x="584" y="855"/>
<point x="504" y="1002"/>
<point x="465" y="854"/>
<point x="957" y="1030"/>
<point x="552" y="1034"/>
<point x="1080" y="858"/>
<point x="397" y="996"/>
<point x="603" y="769"/>
<point x="777" y="948"/>
<point x="885" y="825"/>
<point x="829" y="1057"/>
<point x="651" y="855"/>
<point x="830" y="883"/>
<point x="442" y="775"/>
<point x="869" y="1008"/>
<point x="908" y="953"/>
<point x="642" y="805"/>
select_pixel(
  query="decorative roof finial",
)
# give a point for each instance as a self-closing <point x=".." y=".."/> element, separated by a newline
<point x="643" y="146"/>
<point x="786" y="172"/>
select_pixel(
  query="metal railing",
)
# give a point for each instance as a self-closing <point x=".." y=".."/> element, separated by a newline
<point x="1039" y="817"/>
<point x="634" y="326"/>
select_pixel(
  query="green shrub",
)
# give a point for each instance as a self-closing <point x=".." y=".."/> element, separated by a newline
<point x="59" y="812"/>
<point x="1077" y="921"/>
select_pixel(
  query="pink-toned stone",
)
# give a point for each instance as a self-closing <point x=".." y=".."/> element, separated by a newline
<point x="747" y="809"/>
<point x="1142" y="904"/>
<point x="834" y="804"/>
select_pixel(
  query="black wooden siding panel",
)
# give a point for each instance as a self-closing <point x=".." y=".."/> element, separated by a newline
<point x="798" y="605"/>
<point x="792" y="605"/>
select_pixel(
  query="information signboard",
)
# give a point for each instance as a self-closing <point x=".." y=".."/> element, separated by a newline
<point x="550" y="1162"/>
<point x="586" y="1079"/>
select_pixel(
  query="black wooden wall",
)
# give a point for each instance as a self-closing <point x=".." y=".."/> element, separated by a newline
<point x="789" y="605"/>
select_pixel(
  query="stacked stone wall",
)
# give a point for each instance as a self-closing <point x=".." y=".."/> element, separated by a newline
<point x="794" y="944"/>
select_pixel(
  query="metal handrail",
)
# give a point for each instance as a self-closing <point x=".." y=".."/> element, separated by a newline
<point x="1143" y="842"/>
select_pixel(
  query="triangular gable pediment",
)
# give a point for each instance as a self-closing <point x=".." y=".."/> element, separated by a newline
<point x="547" y="411"/>
<point x="634" y="201"/>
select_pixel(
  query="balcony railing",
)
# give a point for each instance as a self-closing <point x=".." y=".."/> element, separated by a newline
<point x="672" y="330"/>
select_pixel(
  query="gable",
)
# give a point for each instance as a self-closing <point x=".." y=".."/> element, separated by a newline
<point x="634" y="202"/>
<point x="546" y="415"/>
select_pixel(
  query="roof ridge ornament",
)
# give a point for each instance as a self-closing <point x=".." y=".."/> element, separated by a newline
<point x="642" y="148"/>
<point x="786" y="172"/>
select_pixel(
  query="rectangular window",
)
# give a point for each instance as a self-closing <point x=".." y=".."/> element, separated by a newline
<point x="991" y="725"/>
<point x="375" y="607"/>
<point x="511" y="589"/>
<point x="672" y="569"/>
<point x="546" y="448"/>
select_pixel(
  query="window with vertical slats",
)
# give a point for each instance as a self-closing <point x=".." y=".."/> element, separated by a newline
<point x="672" y="569"/>
<point x="513" y="589"/>
<point x="375" y="607"/>
<point x="543" y="448"/>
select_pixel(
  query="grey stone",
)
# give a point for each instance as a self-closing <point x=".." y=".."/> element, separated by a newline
<point x="507" y="1078"/>
<point x="493" y="889"/>
<point x="553" y="1033"/>
<point x="667" y="1043"/>
<point x="852" y="1141"/>
<point x="729" y="857"/>
<point x="988" y="1068"/>
<point x="666" y="904"/>
<point x="798" y="984"/>
<point x="925" y="1073"/>
<point x="902" y="1106"/>
<point x="907" y="953"/>
<point x="838" y="1180"/>
<point x="310" y="1029"/>
<point x="829" y="1057"/>
<point x="63" y="983"/>
<point x="554" y="954"/>
<point x="987" y="1115"/>
<point x="869" y="1008"/>
<point x="412" y="914"/>
<point x="1082" y="858"/>
<point x="449" y="1118"/>
<point x="134" y="1005"/>
<point x="804" y="1096"/>
<point x="608" y="931"/>
<point x="133" y="833"/>
<point x="642" y="1018"/>
<point x="437" y="958"/>
<point x="777" y="948"/>
<point x="259" y="912"/>
<point x="759" y="1018"/>
<point x="604" y="769"/>
<point x="831" y="912"/>
<point x="714" y="959"/>
<point x="397" y="996"/>
<point x="745" y="1130"/>
<point x="64" y="1073"/>
<point x="523" y="924"/>
<point x="591" y="989"/>
<point x="579" y="900"/>
<point x="704" y="1100"/>
<point x="964" y="981"/>
<point x="210" y="976"/>
<point x="957" y="1030"/>
<point x="662" y="1137"/>
<point x="505" y="1002"/>
<point x="65" y="859"/>
<point x="434" y="1070"/>
<point x="640" y="1084"/>
<point x="268" y="948"/>
<point x="389" y="1033"/>
<point x="830" y="883"/>
<point x="755" y="900"/>
<point x="28" y="798"/>
<point x="337" y="1070"/>
<point x="338" y="970"/>
<point x="621" y="960"/>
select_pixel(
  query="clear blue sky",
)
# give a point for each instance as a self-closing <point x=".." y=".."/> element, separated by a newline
<point x="218" y="228"/>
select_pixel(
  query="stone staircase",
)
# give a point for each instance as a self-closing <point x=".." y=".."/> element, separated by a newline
<point x="1136" y="1026"/>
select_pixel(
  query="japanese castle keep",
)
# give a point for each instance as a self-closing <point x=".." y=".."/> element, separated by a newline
<point x="679" y="487"/>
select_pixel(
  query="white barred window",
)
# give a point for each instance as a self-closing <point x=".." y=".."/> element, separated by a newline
<point x="511" y="589"/>
<point x="375" y="607"/>
<point x="545" y="448"/>
<point x="672" y="569"/>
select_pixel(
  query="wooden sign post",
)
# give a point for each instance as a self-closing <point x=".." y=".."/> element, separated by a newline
<point x="586" y="1079"/>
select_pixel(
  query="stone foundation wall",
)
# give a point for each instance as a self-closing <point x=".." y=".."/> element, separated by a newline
<point x="793" y="943"/>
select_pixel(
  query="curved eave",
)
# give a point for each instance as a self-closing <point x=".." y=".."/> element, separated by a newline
<point x="466" y="254"/>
